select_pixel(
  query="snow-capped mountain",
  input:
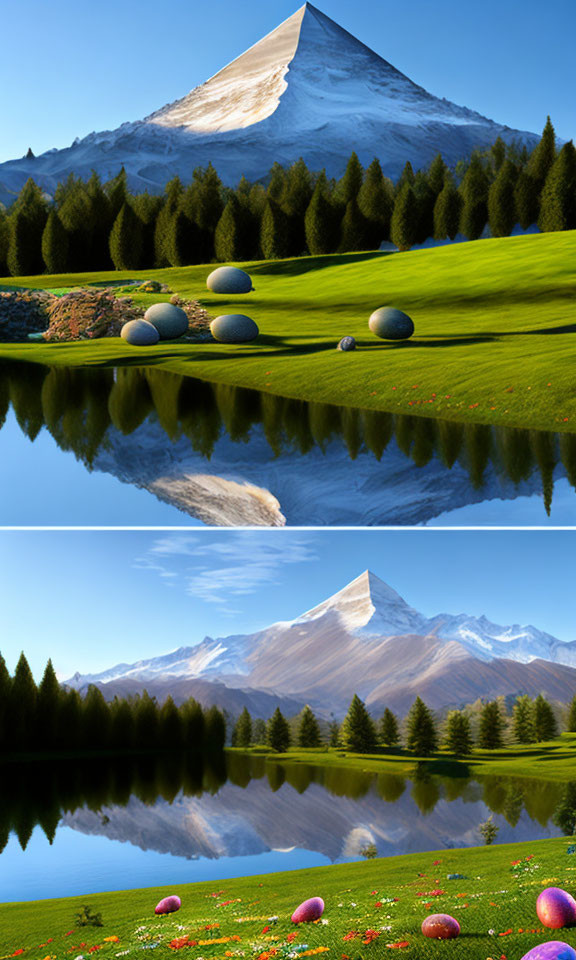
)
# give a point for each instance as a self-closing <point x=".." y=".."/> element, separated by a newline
<point x="309" y="88"/>
<point x="364" y="639"/>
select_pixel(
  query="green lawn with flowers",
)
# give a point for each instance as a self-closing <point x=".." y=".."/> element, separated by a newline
<point x="369" y="907"/>
<point x="494" y="343"/>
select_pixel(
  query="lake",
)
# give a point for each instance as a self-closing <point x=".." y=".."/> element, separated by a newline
<point x="73" y="827"/>
<point x="141" y="446"/>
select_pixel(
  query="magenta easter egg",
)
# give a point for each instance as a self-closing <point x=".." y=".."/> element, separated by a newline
<point x="556" y="908"/>
<point x="168" y="905"/>
<point x="553" y="950"/>
<point x="440" y="926"/>
<point x="309" y="911"/>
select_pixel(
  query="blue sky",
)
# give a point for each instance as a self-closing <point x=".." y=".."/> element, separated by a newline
<point x="70" y="67"/>
<point x="92" y="599"/>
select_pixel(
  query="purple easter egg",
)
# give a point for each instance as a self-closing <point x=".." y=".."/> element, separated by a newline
<point x="553" y="950"/>
<point x="169" y="905"/>
<point x="440" y="926"/>
<point x="308" y="911"/>
<point x="556" y="908"/>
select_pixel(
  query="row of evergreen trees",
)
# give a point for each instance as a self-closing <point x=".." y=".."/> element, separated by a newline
<point x="531" y="721"/>
<point x="46" y="717"/>
<point x="90" y="226"/>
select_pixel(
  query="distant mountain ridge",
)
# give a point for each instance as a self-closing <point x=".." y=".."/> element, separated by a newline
<point x="308" y="88"/>
<point x="365" y="639"/>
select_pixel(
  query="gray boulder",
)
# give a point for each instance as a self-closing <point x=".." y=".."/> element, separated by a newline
<point x="170" y="321"/>
<point x="140" y="333"/>
<point x="347" y="343"/>
<point x="229" y="280"/>
<point x="234" y="328"/>
<point x="391" y="324"/>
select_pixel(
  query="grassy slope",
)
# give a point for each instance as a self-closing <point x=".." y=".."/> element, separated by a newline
<point x="494" y="342"/>
<point x="493" y="895"/>
<point x="547" y="761"/>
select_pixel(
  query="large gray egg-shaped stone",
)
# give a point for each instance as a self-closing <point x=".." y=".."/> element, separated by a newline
<point x="391" y="324"/>
<point x="170" y="321"/>
<point x="229" y="280"/>
<point x="234" y="328"/>
<point x="140" y="333"/>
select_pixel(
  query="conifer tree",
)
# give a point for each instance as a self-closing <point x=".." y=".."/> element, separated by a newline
<point x="358" y="732"/>
<point x="498" y="154"/>
<point x="354" y="230"/>
<point x="389" y="732"/>
<point x="99" y="212"/>
<point x="458" y="735"/>
<point x="406" y="177"/>
<point x="348" y="187"/>
<point x="208" y="205"/>
<point x="214" y="730"/>
<point x="126" y="240"/>
<point x="180" y="239"/>
<point x="230" y="236"/>
<point x="192" y="725"/>
<point x="122" y="725"/>
<point x="259" y="734"/>
<point x="526" y="199"/>
<point x="437" y="174"/>
<point x="491" y="728"/>
<point x="543" y="156"/>
<point x="274" y="232"/>
<point x="96" y="720"/>
<point x="147" y="722"/>
<point x="425" y="201"/>
<point x="421" y="733"/>
<point x="242" y="733"/>
<point x="170" y="725"/>
<point x="571" y="725"/>
<point x="294" y="200"/>
<point x="376" y="203"/>
<point x="334" y="734"/>
<point x="74" y="213"/>
<point x="447" y="210"/>
<point x="545" y="725"/>
<point x="116" y="190"/>
<point x="48" y="705"/>
<point x="319" y="220"/>
<point x="523" y="720"/>
<point x="474" y="193"/>
<point x="558" y="198"/>
<point x="308" y="734"/>
<point x="69" y="732"/>
<point x="276" y="182"/>
<point x="55" y="244"/>
<point x="22" y="707"/>
<point x="147" y="208"/>
<point x="278" y="732"/>
<point x="501" y="201"/>
<point x="404" y="225"/>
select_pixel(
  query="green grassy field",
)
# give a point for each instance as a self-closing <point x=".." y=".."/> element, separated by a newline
<point x="554" y="760"/>
<point x="370" y="906"/>
<point x="494" y="343"/>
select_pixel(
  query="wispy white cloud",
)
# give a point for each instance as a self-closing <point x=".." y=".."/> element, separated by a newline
<point x="216" y="569"/>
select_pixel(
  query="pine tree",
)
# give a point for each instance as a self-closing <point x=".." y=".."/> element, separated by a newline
<point x="147" y="722"/>
<point x="75" y="215"/>
<point x="100" y="218"/>
<point x="498" y="154"/>
<point x="69" y="731"/>
<point x="259" y="734"/>
<point x="376" y="203"/>
<point x="116" y="190"/>
<point x="180" y="239"/>
<point x="5" y="690"/>
<point x="474" y="193"/>
<point x="437" y="175"/>
<point x="171" y="733"/>
<point x="523" y="720"/>
<point x="22" y="707"/>
<point x="214" y="730"/>
<point x="294" y="200"/>
<point x="276" y="182"/>
<point x="545" y="725"/>
<point x="447" y="210"/>
<point x="421" y="734"/>
<point x="425" y="201"/>
<point x="571" y="725"/>
<point x="543" y="156"/>
<point x="242" y="733"/>
<point x="406" y="178"/>
<point x="230" y="236"/>
<point x="334" y="734"/>
<point x="55" y="244"/>
<point x="147" y="208"/>
<point x="122" y="726"/>
<point x="389" y="733"/>
<point x="192" y="725"/>
<point x="491" y="728"/>
<point x="126" y="240"/>
<point x="208" y="204"/>
<point x="404" y="225"/>
<point x="31" y="209"/>
<point x="274" y="232"/>
<point x="48" y="705"/>
<point x="358" y="732"/>
<point x="354" y="230"/>
<point x="501" y="201"/>
<point x="526" y="199"/>
<point x="278" y="732"/>
<point x="558" y="199"/>
<point x="458" y="736"/>
<point x="308" y="734"/>
<point x="319" y="220"/>
<point x="96" y="720"/>
<point x="348" y="187"/>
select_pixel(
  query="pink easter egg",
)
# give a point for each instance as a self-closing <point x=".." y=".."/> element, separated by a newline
<point x="556" y="908"/>
<point x="169" y="905"/>
<point x="309" y="911"/>
<point x="440" y="926"/>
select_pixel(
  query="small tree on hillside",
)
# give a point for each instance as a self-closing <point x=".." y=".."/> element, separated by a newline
<point x="421" y="733"/>
<point x="526" y="199"/>
<point x="501" y="201"/>
<point x="308" y="730"/>
<point x="491" y="729"/>
<point x="389" y="733"/>
<point x="55" y="244"/>
<point x="543" y="156"/>
<point x="545" y="724"/>
<point x="458" y="736"/>
<point x="404" y="224"/>
<point x="278" y="732"/>
<point x="558" y="199"/>
<point x="523" y="720"/>
<point x="126" y="240"/>
<point x="376" y="204"/>
<point x="348" y="187"/>
<point x="474" y="193"/>
<point x="274" y="231"/>
<point x="447" y="210"/>
<point x="242" y="733"/>
<point x="319" y="220"/>
<point x="358" y="732"/>
<point x="229" y="239"/>
<point x="354" y="229"/>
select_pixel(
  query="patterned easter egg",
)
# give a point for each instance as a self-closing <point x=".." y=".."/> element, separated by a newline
<point x="556" y="908"/>
<point x="440" y="926"/>
<point x="309" y="911"/>
<point x="168" y="905"/>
